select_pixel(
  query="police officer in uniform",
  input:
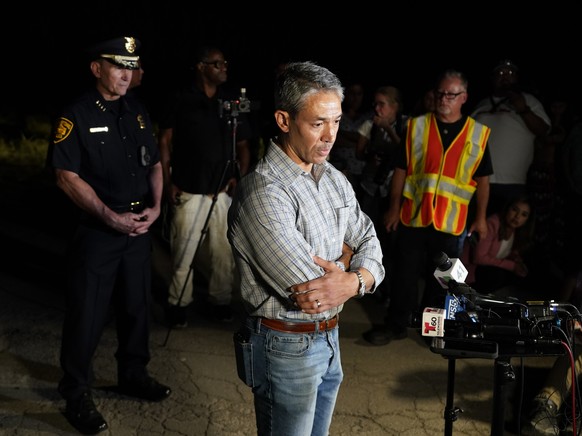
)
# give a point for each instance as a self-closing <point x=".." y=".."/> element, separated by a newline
<point x="106" y="160"/>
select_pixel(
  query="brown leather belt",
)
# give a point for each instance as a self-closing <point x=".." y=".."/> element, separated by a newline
<point x="300" y="327"/>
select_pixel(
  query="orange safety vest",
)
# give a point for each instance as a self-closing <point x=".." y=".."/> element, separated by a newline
<point x="439" y="186"/>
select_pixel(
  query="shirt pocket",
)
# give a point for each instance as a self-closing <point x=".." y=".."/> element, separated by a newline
<point x="342" y="215"/>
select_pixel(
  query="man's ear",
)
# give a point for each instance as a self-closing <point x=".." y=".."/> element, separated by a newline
<point x="95" y="68"/>
<point x="282" y="120"/>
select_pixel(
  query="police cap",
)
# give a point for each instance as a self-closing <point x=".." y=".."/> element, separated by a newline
<point x="120" y="51"/>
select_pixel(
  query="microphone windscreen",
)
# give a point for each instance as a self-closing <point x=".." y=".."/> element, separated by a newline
<point x="442" y="261"/>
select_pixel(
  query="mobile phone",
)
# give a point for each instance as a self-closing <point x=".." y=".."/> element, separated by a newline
<point x="473" y="238"/>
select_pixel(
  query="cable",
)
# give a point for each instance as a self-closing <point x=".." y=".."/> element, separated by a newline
<point x="521" y="394"/>
<point x="573" y="388"/>
<point x="576" y="386"/>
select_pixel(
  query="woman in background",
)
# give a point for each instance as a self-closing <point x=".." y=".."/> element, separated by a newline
<point x="497" y="260"/>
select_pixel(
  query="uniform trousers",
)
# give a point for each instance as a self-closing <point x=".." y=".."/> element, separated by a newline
<point x="107" y="270"/>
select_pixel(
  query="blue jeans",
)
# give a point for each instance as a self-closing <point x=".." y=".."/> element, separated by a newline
<point x="296" y="380"/>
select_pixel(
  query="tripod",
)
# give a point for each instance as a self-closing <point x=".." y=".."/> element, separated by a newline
<point x="230" y="164"/>
<point x="503" y="375"/>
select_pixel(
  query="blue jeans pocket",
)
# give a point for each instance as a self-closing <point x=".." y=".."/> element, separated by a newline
<point x="243" y="350"/>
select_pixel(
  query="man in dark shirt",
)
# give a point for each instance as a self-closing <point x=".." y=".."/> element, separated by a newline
<point x="204" y="143"/>
<point x="443" y="164"/>
<point x="106" y="161"/>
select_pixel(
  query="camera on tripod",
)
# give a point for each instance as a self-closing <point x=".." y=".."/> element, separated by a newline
<point x="231" y="108"/>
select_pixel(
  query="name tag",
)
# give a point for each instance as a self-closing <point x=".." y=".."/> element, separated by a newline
<point x="98" y="129"/>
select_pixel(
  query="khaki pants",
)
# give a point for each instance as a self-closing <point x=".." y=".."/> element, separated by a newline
<point x="214" y="258"/>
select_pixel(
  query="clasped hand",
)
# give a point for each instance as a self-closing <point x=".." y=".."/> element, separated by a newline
<point x="134" y="224"/>
<point x="332" y="289"/>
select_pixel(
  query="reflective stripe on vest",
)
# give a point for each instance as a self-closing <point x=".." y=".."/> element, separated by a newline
<point x="438" y="188"/>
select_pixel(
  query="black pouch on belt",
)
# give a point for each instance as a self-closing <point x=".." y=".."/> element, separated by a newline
<point x="243" y="350"/>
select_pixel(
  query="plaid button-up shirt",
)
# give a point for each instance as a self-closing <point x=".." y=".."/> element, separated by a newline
<point x="280" y="217"/>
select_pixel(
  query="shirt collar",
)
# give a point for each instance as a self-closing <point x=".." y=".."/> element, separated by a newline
<point x="287" y="170"/>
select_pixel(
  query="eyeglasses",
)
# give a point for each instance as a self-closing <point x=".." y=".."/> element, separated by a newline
<point x="448" y="95"/>
<point x="505" y="72"/>
<point x="217" y="64"/>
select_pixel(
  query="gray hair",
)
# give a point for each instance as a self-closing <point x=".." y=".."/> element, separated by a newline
<point x="453" y="74"/>
<point x="298" y="81"/>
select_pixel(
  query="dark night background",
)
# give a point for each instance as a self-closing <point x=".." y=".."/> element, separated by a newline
<point x="404" y="44"/>
<point x="392" y="44"/>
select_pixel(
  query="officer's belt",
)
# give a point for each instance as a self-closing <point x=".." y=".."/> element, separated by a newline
<point x="134" y="206"/>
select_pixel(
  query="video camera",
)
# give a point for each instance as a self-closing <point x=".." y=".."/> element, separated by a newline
<point x="232" y="108"/>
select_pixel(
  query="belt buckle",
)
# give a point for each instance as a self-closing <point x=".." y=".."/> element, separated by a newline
<point x="328" y="321"/>
<point x="134" y="205"/>
<point x="323" y="326"/>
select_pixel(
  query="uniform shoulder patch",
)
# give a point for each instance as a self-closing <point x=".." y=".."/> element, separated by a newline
<point x="63" y="129"/>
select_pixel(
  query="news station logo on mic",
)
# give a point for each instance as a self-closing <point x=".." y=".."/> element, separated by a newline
<point x="449" y="269"/>
<point x="452" y="306"/>
<point x="433" y="322"/>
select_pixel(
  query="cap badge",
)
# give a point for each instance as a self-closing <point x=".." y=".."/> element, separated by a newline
<point x="130" y="45"/>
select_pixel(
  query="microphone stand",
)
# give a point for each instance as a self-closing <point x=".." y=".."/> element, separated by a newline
<point x="451" y="413"/>
<point x="233" y="122"/>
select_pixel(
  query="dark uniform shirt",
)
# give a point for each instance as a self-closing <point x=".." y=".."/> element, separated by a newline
<point x="110" y="145"/>
<point x="202" y="141"/>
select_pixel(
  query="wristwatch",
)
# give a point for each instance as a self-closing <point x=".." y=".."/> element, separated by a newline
<point x="362" y="288"/>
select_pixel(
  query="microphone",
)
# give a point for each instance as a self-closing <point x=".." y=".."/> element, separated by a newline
<point x="447" y="269"/>
<point x="448" y="272"/>
<point x="462" y="303"/>
<point x="468" y="294"/>
<point x="442" y="261"/>
<point x="455" y="304"/>
<point x="433" y="322"/>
